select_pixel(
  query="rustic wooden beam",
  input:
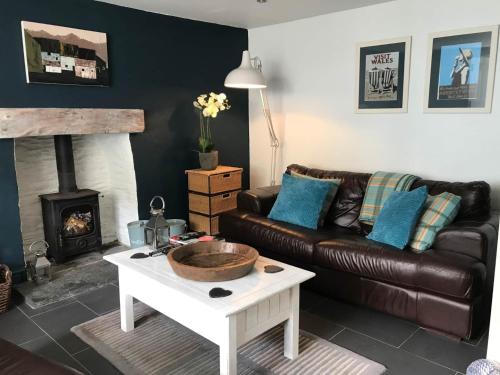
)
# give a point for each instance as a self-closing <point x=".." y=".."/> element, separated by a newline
<point x="33" y="122"/>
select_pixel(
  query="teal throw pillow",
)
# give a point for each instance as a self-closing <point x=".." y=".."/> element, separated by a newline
<point x="396" y="221"/>
<point x="300" y="201"/>
<point x="330" y="197"/>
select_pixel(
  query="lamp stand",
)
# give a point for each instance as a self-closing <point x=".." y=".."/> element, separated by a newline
<point x="275" y="144"/>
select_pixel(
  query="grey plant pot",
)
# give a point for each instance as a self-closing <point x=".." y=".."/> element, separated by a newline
<point x="209" y="160"/>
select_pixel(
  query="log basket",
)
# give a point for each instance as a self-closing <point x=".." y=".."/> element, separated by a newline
<point x="5" y="287"/>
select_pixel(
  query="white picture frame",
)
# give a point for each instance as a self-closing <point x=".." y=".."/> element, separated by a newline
<point x="451" y="39"/>
<point x="391" y="106"/>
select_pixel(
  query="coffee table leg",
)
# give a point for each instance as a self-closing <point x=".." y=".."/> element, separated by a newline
<point x="292" y="325"/>
<point x="227" y="347"/>
<point x="126" y="305"/>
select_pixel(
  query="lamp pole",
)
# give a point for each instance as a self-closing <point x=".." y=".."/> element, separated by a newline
<point x="275" y="144"/>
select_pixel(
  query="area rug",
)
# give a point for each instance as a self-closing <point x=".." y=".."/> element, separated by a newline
<point x="77" y="276"/>
<point x="159" y="345"/>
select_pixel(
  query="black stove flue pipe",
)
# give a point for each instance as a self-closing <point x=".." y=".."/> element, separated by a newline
<point x="65" y="163"/>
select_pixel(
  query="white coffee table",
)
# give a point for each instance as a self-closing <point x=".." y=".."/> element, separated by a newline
<point x="259" y="302"/>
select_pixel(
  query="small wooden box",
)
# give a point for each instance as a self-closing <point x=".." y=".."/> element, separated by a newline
<point x="211" y="193"/>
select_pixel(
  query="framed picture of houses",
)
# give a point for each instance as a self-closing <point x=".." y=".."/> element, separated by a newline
<point x="383" y="69"/>
<point x="63" y="55"/>
<point x="461" y="70"/>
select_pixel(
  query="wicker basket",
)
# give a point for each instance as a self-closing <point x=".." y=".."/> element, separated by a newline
<point x="5" y="287"/>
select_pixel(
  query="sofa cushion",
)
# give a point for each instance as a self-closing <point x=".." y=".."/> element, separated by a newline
<point x="441" y="272"/>
<point x="398" y="217"/>
<point x="475" y="195"/>
<point x="260" y="232"/>
<point x="301" y="201"/>
<point x="345" y="209"/>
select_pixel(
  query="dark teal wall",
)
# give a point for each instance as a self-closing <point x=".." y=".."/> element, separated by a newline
<point x="158" y="63"/>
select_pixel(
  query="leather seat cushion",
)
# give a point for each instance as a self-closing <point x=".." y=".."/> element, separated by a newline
<point x="440" y="272"/>
<point x="290" y="240"/>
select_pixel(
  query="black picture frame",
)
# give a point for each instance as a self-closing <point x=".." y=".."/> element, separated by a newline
<point x="398" y="102"/>
<point x="473" y="93"/>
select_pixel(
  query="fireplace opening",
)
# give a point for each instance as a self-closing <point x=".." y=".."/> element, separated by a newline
<point x="71" y="217"/>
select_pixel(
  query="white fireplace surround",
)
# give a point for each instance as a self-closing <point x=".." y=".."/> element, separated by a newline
<point x="103" y="162"/>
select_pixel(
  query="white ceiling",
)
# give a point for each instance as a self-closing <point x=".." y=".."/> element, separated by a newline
<point x="244" y="13"/>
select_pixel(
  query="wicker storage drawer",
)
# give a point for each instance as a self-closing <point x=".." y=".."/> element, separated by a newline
<point x="213" y="182"/>
<point x="211" y="193"/>
<point x="201" y="223"/>
<point x="213" y="205"/>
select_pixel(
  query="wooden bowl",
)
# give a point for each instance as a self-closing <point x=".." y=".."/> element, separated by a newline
<point x="213" y="261"/>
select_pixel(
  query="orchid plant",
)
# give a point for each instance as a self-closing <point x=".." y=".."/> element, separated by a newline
<point x="209" y="106"/>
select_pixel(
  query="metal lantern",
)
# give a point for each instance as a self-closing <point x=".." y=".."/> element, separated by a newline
<point x="39" y="268"/>
<point x="157" y="230"/>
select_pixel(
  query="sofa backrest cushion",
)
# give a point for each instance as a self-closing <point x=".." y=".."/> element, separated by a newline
<point x="345" y="209"/>
<point x="475" y="195"/>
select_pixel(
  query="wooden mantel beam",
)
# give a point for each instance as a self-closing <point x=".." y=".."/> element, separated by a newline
<point x="34" y="122"/>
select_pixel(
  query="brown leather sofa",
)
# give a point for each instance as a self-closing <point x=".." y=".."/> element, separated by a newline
<point x="447" y="288"/>
<point x="18" y="361"/>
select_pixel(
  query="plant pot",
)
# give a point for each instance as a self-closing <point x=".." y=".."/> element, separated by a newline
<point x="209" y="160"/>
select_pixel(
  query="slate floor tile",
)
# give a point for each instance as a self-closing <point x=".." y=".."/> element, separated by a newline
<point x="317" y="325"/>
<point x="57" y="323"/>
<point x="309" y="299"/>
<point x="380" y="326"/>
<point x="47" y="348"/>
<point x="453" y="354"/>
<point x="397" y="361"/>
<point x="102" y="300"/>
<point x="95" y="363"/>
<point x="32" y="312"/>
<point x="17" y="327"/>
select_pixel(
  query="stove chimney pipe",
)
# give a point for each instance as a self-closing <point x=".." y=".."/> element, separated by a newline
<point x="65" y="163"/>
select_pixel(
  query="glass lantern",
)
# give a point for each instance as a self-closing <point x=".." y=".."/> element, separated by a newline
<point x="39" y="267"/>
<point x="157" y="230"/>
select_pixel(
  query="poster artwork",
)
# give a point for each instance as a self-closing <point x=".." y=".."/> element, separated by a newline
<point x="381" y="77"/>
<point x="459" y="71"/>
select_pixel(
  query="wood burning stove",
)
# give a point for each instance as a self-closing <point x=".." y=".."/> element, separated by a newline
<point x="70" y="217"/>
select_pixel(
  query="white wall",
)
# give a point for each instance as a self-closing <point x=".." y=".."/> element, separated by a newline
<point x="102" y="162"/>
<point x="310" y="66"/>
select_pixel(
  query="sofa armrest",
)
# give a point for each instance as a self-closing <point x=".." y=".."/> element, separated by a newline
<point x="258" y="200"/>
<point x="476" y="238"/>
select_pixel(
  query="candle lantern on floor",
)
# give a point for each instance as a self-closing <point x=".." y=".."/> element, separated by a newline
<point x="157" y="230"/>
<point x="39" y="267"/>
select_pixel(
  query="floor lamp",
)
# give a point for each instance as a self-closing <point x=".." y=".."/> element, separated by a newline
<point x="249" y="76"/>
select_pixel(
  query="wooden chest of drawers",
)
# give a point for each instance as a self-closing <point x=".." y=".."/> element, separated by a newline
<point x="211" y="193"/>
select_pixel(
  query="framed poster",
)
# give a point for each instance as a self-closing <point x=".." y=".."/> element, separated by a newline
<point x="63" y="55"/>
<point x="382" y="76"/>
<point x="461" y="70"/>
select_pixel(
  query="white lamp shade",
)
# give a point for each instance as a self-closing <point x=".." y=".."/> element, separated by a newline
<point x="245" y="76"/>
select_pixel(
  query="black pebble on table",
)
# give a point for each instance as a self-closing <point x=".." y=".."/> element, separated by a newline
<point x="272" y="269"/>
<point x="219" y="292"/>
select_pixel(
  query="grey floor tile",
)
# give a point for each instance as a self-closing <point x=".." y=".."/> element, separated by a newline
<point x="453" y="354"/>
<point x="96" y="364"/>
<point x="317" y="325"/>
<point x="380" y="326"/>
<point x="47" y="348"/>
<point x="32" y="312"/>
<point x="309" y="299"/>
<point x="57" y="323"/>
<point x="17" y="328"/>
<point x="102" y="300"/>
<point x="397" y="361"/>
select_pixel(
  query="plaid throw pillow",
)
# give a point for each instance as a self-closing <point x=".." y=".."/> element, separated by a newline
<point x="439" y="211"/>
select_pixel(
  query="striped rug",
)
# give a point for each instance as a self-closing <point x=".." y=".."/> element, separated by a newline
<point x="159" y="345"/>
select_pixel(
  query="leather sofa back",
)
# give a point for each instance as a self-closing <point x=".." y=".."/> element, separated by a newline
<point x="345" y="210"/>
